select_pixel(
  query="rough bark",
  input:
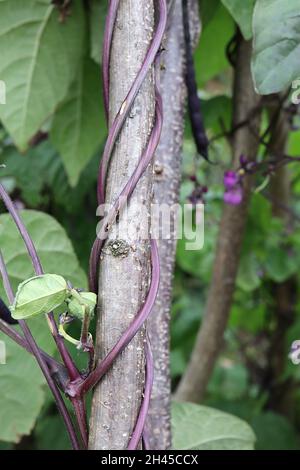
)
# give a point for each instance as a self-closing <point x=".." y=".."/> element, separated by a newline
<point x="167" y="176"/>
<point x="210" y="337"/>
<point x="123" y="281"/>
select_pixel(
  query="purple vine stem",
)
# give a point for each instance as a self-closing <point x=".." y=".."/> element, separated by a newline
<point x="127" y="336"/>
<point x="55" y="367"/>
<point x="73" y="372"/>
<point x="109" y="28"/>
<point x="128" y="101"/>
<point x="140" y="424"/>
<point x="124" y="195"/>
<point x="10" y="295"/>
<point x="78" y="386"/>
<point x="26" y="331"/>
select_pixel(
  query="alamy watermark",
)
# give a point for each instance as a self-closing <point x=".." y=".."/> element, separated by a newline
<point x="160" y="221"/>
<point x="2" y="92"/>
<point x="296" y="93"/>
<point x="2" y="353"/>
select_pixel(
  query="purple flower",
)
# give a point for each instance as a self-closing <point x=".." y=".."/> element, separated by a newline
<point x="233" y="187"/>
<point x="231" y="179"/>
<point x="234" y="196"/>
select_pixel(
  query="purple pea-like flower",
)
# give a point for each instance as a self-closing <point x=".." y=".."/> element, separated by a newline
<point x="231" y="179"/>
<point x="233" y="188"/>
<point x="234" y="196"/>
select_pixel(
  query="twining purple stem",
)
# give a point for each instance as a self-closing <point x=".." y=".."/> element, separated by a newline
<point x="125" y="194"/>
<point x="6" y="284"/>
<point x="72" y="370"/>
<point x="22" y="229"/>
<point x="33" y="347"/>
<point x="26" y="331"/>
<point x="80" y="412"/>
<point x="78" y="386"/>
<point x="56" y="369"/>
<point x="140" y="424"/>
<point x="57" y="396"/>
<point x="128" y="101"/>
<point x="127" y="336"/>
<point x="107" y="40"/>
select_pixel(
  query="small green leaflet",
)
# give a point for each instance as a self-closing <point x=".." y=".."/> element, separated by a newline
<point x="83" y="302"/>
<point x="43" y="294"/>
<point x="39" y="295"/>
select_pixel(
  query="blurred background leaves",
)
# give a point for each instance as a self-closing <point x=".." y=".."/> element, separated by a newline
<point x="52" y="155"/>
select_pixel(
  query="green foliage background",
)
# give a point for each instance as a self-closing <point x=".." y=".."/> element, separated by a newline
<point x="51" y="137"/>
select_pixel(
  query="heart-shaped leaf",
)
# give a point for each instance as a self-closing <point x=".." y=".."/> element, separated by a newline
<point x="39" y="60"/>
<point x="21" y="382"/>
<point x="276" y="30"/>
<point x="198" y="427"/>
<point x="242" y="12"/>
<point x="39" y="295"/>
<point x="79" y="125"/>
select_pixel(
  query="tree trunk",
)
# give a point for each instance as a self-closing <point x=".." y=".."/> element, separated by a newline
<point x="124" y="280"/>
<point x="210" y="337"/>
<point x="167" y="176"/>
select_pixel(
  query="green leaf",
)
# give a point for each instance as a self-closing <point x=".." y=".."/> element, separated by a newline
<point x="198" y="427"/>
<point x="274" y="432"/>
<point x="178" y="363"/>
<point x="210" y="56"/>
<point x="229" y="381"/>
<point x="247" y="313"/>
<point x="198" y="262"/>
<point x="280" y="265"/>
<point x="77" y="307"/>
<point x="79" y="125"/>
<point x="208" y="9"/>
<point x="53" y="246"/>
<point x="6" y="446"/>
<point x="22" y="393"/>
<point x="242" y="12"/>
<point x="97" y="15"/>
<point x="217" y="110"/>
<point x="41" y="180"/>
<point x="276" y="30"/>
<point x="51" y="435"/>
<point x="248" y="275"/>
<point x="39" y="60"/>
<point x="39" y="295"/>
